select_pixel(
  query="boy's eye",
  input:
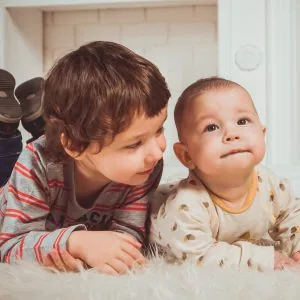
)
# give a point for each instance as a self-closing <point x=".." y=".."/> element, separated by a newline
<point x="160" y="130"/>
<point x="211" y="127"/>
<point x="134" y="146"/>
<point x="242" y="121"/>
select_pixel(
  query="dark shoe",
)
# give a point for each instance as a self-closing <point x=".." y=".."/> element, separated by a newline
<point x="29" y="93"/>
<point x="10" y="110"/>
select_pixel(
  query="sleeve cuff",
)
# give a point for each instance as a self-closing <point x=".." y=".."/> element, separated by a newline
<point x="260" y="258"/>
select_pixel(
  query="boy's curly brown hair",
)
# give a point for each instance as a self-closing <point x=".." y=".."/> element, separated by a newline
<point x="93" y="93"/>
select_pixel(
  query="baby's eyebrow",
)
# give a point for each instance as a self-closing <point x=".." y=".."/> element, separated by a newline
<point x="248" y="111"/>
<point x="204" y="117"/>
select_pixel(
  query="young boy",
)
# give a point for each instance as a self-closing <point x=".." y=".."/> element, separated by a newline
<point x="80" y="193"/>
<point x="230" y="211"/>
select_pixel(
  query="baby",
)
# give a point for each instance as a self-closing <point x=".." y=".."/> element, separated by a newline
<point x="230" y="211"/>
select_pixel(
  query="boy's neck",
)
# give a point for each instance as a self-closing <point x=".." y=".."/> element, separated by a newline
<point x="232" y="189"/>
<point x="87" y="186"/>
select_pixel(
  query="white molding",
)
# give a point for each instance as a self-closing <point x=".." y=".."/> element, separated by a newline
<point x="84" y="4"/>
<point x="282" y="108"/>
<point x="241" y="56"/>
<point x="225" y="39"/>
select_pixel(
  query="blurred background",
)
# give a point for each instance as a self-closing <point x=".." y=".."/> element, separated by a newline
<point x="254" y="42"/>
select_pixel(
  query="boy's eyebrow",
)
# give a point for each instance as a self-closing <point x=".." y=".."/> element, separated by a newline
<point x="136" y="137"/>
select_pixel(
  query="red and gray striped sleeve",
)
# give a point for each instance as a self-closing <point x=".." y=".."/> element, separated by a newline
<point x="132" y="215"/>
<point x="24" y="206"/>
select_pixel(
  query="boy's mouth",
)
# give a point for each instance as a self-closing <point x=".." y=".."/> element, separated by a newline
<point x="233" y="152"/>
<point x="146" y="172"/>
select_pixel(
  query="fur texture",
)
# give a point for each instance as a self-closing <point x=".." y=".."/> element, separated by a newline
<point x="157" y="281"/>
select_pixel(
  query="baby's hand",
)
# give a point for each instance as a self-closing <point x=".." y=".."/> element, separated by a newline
<point x="282" y="261"/>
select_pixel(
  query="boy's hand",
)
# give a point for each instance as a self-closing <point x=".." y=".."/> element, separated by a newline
<point x="108" y="251"/>
<point x="62" y="261"/>
<point x="282" y="261"/>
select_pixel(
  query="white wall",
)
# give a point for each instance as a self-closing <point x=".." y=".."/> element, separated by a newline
<point x="298" y="60"/>
<point x="181" y="41"/>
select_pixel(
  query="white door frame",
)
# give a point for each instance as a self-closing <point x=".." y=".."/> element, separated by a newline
<point x="257" y="48"/>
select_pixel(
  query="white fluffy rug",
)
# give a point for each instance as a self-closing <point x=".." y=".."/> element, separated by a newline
<point x="157" y="281"/>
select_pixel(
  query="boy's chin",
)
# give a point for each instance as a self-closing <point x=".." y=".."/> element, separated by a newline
<point x="137" y="180"/>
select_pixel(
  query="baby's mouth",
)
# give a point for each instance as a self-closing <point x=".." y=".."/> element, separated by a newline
<point x="233" y="152"/>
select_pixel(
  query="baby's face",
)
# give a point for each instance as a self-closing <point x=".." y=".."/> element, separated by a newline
<point x="224" y="132"/>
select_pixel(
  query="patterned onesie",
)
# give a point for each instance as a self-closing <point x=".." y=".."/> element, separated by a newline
<point x="189" y="223"/>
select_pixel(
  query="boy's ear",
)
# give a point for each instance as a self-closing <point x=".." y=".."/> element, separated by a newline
<point x="264" y="129"/>
<point x="71" y="153"/>
<point x="183" y="155"/>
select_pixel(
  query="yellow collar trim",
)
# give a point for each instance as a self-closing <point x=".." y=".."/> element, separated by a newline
<point x="249" y="200"/>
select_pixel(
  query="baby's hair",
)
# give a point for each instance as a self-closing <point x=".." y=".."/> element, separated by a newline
<point x="197" y="88"/>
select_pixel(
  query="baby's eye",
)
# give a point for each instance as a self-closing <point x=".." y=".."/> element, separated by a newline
<point x="134" y="146"/>
<point x="243" y="121"/>
<point x="211" y="127"/>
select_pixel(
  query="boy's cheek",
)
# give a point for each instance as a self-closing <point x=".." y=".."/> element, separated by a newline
<point x="163" y="143"/>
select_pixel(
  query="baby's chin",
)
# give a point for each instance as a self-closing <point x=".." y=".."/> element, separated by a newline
<point x="230" y="168"/>
<point x="239" y="164"/>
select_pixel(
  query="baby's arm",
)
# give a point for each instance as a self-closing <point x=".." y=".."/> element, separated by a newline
<point x="183" y="228"/>
<point x="287" y="225"/>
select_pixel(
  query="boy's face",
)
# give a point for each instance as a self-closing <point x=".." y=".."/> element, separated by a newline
<point x="132" y="155"/>
<point x="224" y="132"/>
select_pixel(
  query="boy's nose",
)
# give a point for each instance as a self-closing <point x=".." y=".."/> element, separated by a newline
<point x="155" y="154"/>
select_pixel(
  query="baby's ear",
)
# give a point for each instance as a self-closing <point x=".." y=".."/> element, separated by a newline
<point x="183" y="155"/>
<point x="264" y="129"/>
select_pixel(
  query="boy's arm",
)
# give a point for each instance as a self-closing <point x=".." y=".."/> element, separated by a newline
<point x="287" y="212"/>
<point x="131" y="217"/>
<point x="182" y="228"/>
<point x="24" y="207"/>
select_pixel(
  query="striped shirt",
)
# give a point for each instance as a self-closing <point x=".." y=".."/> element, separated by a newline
<point x="39" y="211"/>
